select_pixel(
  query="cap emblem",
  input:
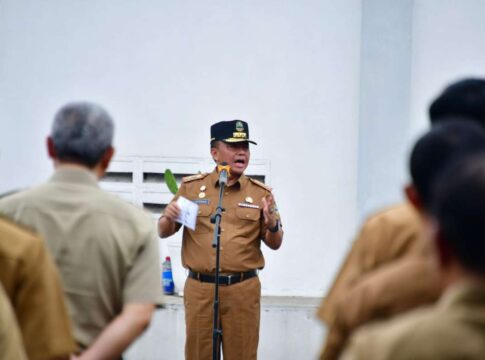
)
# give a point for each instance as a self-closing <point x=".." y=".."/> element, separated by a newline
<point x="239" y="126"/>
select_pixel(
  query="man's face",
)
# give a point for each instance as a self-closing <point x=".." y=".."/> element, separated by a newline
<point x="236" y="155"/>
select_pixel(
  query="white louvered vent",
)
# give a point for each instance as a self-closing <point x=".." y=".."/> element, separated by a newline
<point x="140" y="180"/>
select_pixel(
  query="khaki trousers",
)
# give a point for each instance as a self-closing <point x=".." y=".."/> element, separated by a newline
<point x="239" y="312"/>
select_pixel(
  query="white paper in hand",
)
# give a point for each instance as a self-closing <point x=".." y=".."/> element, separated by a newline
<point x="188" y="212"/>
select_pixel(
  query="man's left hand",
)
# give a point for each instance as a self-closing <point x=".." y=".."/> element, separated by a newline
<point x="269" y="213"/>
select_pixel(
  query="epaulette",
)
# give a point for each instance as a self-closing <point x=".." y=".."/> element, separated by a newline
<point x="259" y="183"/>
<point x="190" y="178"/>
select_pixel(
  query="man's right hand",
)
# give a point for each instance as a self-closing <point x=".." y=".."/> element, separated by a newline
<point x="166" y="223"/>
<point x="172" y="211"/>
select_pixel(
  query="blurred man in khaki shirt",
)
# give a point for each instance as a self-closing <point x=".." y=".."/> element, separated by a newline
<point x="31" y="281"/>
<point x="454" y="328"/>
<point x="105" y="248"/>
<point x="11" y="345"/>
<point x="250" y="217"/>
<point x="378" y="277"/>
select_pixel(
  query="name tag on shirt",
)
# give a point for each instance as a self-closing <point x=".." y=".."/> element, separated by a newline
<point x="246" y="205"/>
<point x="201" y="201"/>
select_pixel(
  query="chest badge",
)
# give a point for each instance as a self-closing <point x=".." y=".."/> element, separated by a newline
<point x="201" y="195"/>
<point x="249" y="200"/>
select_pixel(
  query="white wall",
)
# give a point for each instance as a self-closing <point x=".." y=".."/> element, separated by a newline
<point x="384" y="102"/>
<point x="335" y="93"/>
<point x="411" y="49"/>
<point x="448" y="38"/>
<point x="167" y="70"/>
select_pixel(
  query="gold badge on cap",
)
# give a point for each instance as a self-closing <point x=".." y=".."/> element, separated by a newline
<point x="203" y="187"/>
<point x="249" y="200"/>
<point x="202" y="195"/>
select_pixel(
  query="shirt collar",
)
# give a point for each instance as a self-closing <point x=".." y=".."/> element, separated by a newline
<point x="76" y="175"/>
<point x="240" y="183"/>
<point x="463" y="292"/>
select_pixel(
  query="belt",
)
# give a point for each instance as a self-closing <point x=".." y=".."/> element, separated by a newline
<point x="223" y="279"/>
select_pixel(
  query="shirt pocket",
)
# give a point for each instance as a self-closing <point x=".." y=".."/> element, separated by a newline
<point x="249" y="223"/>
<point x="248" y="213"/>
<point x="203" y="224"/>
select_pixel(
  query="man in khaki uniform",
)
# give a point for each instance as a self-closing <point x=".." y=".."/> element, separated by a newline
<point x="31" y="282"/>
<point x="105" y="248"/>
<point x="250" y="217"/>
<point x="11" y="346"/>
<point x="378" y="276"/>
<point x="454" y="328"/>
<point x="374" y="280"/>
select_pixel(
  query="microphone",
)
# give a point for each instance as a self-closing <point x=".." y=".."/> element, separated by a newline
<point x="224" y="171"/>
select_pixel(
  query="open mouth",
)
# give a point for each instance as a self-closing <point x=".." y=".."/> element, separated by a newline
<point x="240" y="162"/>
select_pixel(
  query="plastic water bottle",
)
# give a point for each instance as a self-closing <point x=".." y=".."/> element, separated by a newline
<point x="167" y="279"/>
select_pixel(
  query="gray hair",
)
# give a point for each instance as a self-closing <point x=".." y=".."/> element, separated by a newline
<point x="82" y="132"/>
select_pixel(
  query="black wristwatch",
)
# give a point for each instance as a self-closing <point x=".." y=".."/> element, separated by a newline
<point x="276" y="227"/>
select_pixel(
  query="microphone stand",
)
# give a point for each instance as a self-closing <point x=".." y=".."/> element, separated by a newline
<point x="216" y="330"/>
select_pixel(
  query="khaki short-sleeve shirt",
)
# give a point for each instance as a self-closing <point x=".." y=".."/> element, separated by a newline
<point x="242" y="224"/>
<point x="105" y="248"/>
<point x="453" y="328"/>
<point x="384" y="237"/>
<point x="378" y="277"/>
<point x="11" y="346"/>
<point x="32" y="283"/>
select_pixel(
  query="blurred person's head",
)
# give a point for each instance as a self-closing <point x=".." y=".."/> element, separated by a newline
<point x="459" y="213"/>
<point x="464" y="99"/>
<point x="82" y="134"/>
<point x="434" y="151"/>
